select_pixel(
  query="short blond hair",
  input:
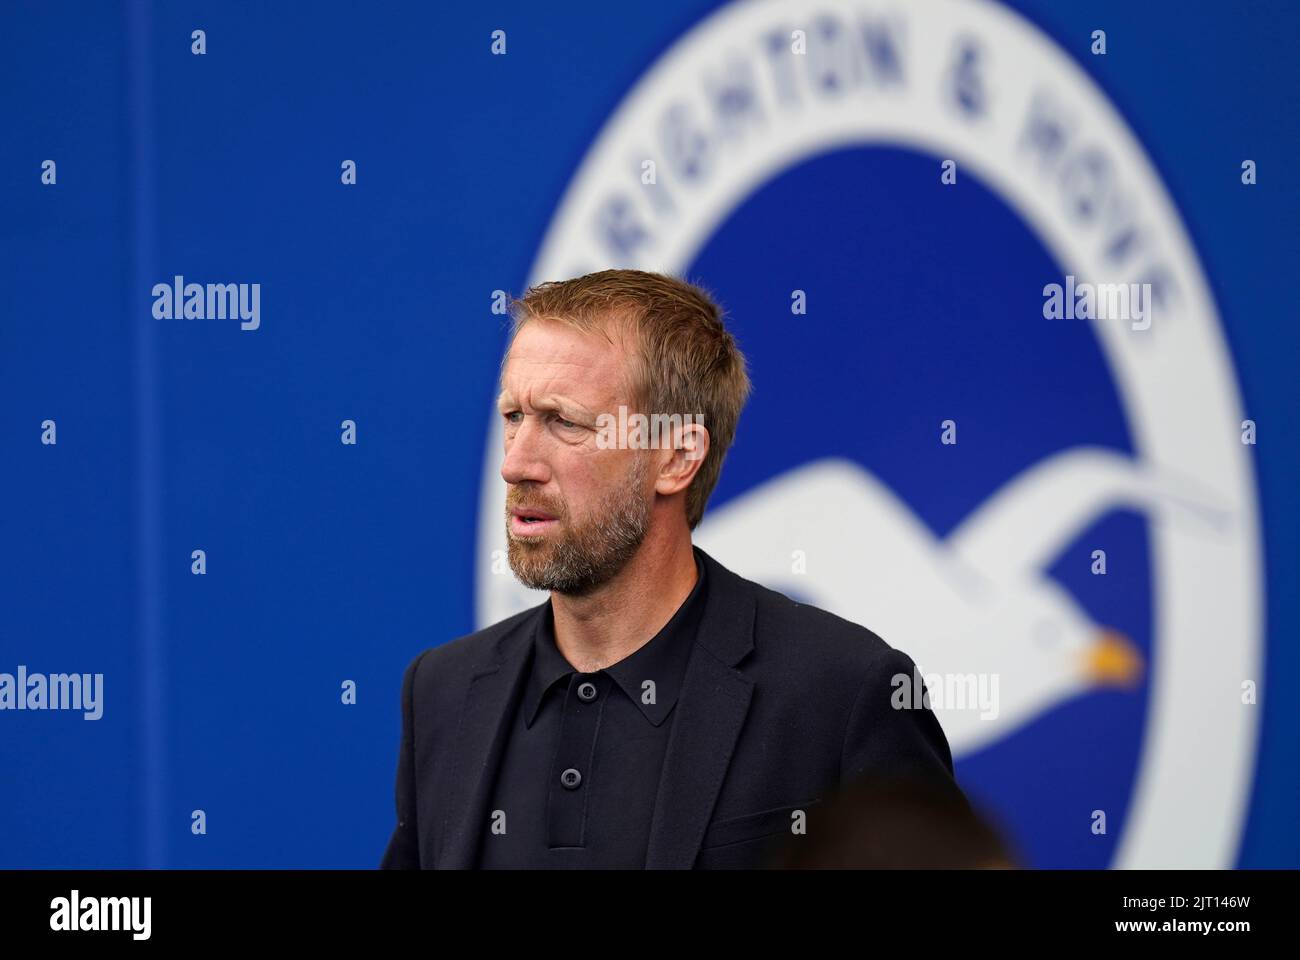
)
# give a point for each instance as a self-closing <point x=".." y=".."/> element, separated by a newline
<point x="683" y="359"/>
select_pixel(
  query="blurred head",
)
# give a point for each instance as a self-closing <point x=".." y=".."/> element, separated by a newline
<point x="895" y="823"/>
<point x="577" y="507"/>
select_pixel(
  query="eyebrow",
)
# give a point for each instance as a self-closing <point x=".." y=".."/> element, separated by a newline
<point x="570" y="409"/>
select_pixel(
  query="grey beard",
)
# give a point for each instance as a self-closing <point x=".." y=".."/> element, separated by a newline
<point x="586" y="558"/>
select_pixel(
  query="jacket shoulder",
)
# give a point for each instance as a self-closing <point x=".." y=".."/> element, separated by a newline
<point x="777" y="607"/>
<point x="462" y="655"/>
<point x="822" y="657"/>
<point x="813" y="649"/>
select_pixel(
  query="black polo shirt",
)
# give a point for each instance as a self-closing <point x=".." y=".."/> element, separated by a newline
<point x="579" y="773"/>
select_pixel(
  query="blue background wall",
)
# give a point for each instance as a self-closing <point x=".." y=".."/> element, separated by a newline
<point x="331" y="562"/>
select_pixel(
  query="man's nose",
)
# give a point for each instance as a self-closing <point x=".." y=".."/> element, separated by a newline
<point x="525" y="454"/>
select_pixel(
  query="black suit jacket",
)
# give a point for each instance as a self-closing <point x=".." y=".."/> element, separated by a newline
<point x="782" y="703"/>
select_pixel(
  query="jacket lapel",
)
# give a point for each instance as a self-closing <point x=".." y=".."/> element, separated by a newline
<point x="480" y="741"/>
<point x="710" y="712"/>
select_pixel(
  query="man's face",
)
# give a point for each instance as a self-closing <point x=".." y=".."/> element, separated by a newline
<point x="575" y="513"/>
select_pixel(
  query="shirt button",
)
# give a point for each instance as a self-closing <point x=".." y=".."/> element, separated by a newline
<point x="587" y="691"/>
<point x="571" y="778"/>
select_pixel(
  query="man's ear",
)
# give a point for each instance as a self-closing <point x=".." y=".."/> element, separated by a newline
<point x="690" y="447"/>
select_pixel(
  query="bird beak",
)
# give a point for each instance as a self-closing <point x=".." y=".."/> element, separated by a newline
<point x="1113" y="661"/>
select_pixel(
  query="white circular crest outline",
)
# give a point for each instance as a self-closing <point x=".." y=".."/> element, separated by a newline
<point x="1175" y="380"/>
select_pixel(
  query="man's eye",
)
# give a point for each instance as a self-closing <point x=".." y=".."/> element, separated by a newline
<point x="510" y="417"/>
<point x="565" y="423"/>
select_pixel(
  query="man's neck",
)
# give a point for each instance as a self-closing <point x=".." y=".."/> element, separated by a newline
<point x="601" y="628"/>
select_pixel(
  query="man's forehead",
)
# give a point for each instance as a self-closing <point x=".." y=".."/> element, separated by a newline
<point x="576" y="400"/>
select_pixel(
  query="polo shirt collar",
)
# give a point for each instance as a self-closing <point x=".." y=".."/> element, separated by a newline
<point x="662" y="659"/>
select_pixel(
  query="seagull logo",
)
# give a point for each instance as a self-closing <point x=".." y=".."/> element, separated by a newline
<point x="976" y="603"/>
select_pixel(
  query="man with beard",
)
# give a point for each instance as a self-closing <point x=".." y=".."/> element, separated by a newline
<point x="658" y="710"/>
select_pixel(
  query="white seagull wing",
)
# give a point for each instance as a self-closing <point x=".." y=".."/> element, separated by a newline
<point x="1021" y="528"/>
